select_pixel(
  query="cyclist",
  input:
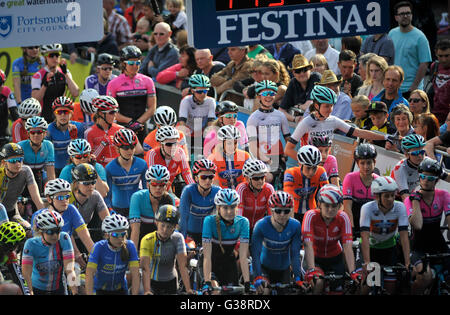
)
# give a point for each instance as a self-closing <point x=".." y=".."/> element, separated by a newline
<point x="329" y="162"/>
<point x="264" y="127"/>
<point x="228" y="158"/>
<point x="28" y="108"/>
<point x="220" y="234"/>
<point x="304" y="181"/>
<point x="48" y="255"/>
<point x="125" y="173"/>
<point x="63" y="130"/>
<point x="84" y="109"/>
<point x="8" y="105"/>
<point x="379" y="223"/>
<point x="99" y="81"/>
<point x="142" y="203"/>
<point x="327" y="237"/>
<point x="356" y="185"/>
<point x="159" y="251"/>
<point x="79" y="151"/>
<point x="276" y="244"/>
<point x="170" y="155"/>
<point x="425" y="207"/>
<point x="110" y="260"/>
<point x="197" y="200"/>
<point x="405" y="171"/>
<point x="254" y="192"/>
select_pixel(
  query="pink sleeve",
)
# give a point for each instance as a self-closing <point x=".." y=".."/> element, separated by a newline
<point x="168" y="75"/>
<point x="241" y="127"/>
<point x="408" y="206"/>
<point x="111" y="89"/>
<point x="331" y="166"/>
<point x="210" y="142"/>
<point x="347" y="186"/>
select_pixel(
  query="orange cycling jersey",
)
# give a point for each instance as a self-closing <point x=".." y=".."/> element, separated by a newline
<point x="78" y="114"/>
<point x="150" y="141"/>
<point x="177" y="165"/>
<point x="304" y="189"/>
<point x="101" y="143"/>
<point x="229" y="171"/>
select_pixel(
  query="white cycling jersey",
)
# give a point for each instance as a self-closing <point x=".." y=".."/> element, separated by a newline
<point x="406" y="176"/>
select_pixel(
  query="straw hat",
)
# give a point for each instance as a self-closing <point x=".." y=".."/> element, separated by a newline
<point x="328" y="77"/>
<point x="300" y="61"/>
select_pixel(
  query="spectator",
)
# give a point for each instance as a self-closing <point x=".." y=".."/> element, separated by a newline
<point x="99" y="81"/>
<point x="134" y="13"/>
<point x="441" y="81"/>
<point x="181" y="38"/>
<point x="418" y="104"/>
<point x="379" y="117"/>
<point x="150" y="14"/>
<point x="350" y="80"/>
<point x="303" y="45"/>
<point x="220" y="54"/>
<point x="360" y="105"/>
<point x="283" y="52"/>
<point x="412" y="51"/>
<point x="320" y="63"/>
<point x="141" y="37"/>
<point x="299" y="88"/>
<point x="205" y="63"/>
<point x="362" y="63"/>
<point x="321" y="46"/>
<point x="373" y="84"/>
<point x="381" y="45"/>
<point x="161" y="56"/>
<point x="427" y="126"/>
<point x="255" y="50"/>
<point x="177" y="19"/>
<point x="352" y="43"/>
<point x="391" y="95"/>
<point x="117" y="24"/>
<point x="402" y="119"/>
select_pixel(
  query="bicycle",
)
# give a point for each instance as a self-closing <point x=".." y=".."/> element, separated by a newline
<point x="338" y="284"/>
<point x="226" y="290"/>
<point x="13" y="273"/>
<point x="440" y="274"/>
<point x="401" y="284"/>
<point x="287" y="289"/>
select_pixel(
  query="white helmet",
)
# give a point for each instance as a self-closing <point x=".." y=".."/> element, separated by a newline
<point x="86" y="98"/>
<point x="226" y="197"/>
<point x="165" y="116"/>
<point x="157" y="173"/>
<point x="167" y="132"/>
<point x="29" y="108"/>
<point x="51" y="47"/>
<point x="254" y="167"/>
<point x="114" y="222"/>
<point x="55" y="186"/>
<point x="48" y="219"/>
<point x="383" y="184"/>
<point x="36" y="122"/>
<point x="309" y="155"/>
<point x="78" y="146"/>
<point x="228" y="132"/>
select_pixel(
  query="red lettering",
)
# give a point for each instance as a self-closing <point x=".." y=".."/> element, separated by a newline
<point x="277" y="4"/>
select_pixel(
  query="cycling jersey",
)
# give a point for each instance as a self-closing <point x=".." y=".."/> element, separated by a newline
<point x="194" y="208"/>
<point x="82" y="117"/>
<point x="197" y="116"/>
<point x="383" y="227"/>
<point x="18" y="131"/>
<point x="162" y="255"/>
<point x="229" y="168"/>
<point x="24" y="71"/>
<point x="101" y="143"/>
<point x="211" y="139"/>
<point x="7" y="101"/>
<point x="109" y="266"/>
<point x="92" y="82"/>
<point x="66" y="172"/>
<point x="132" y="93"/>
<point x="406" y="176"/>
<point x="47" y="261"/>
<point x="150" y="141"/>
<point x="265" y="127"/>
<point x="327" y="239"/>
<point x="303" y="189"/>
<point x="429" y="239"/>
<point x="331" y="166"/>
<point x="61" y="140"/>
<point x="38" y="160"/>
<point x="177" y="165"/>
<point x="94" y="204"/>
<point x="73" y="221"/>
<point x="3" y="214"/>
<point x="254" y="207"/>
<point x="12" y="188"/>
<point x="276" y="250"/>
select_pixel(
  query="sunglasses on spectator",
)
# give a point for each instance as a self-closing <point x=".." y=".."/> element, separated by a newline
<point x="258" y="178"/>
<point x="301" y="70"/>
<point x="404" y="14"/>
<point x="268" y="93"/>
<point x="118" y="234"/>
<point x="428" y="177"/>
<point x="62" y="198"/>
<point x="106" y="68"/>
<point x="15" y="160"/>
<point x="205" y="177"/>
<point x="158" y="184"/>
<point x="88" y="183"/>
<point x="281" y="210"/>
<point x="127" y="147"/>
<point x="230" y="116"/>
<point x="53" y="231"/>
<point x="81" y="156"/>
<point x="201" y="91"/>
<point x="133" y="63"/>
<point x="53" y="55"/>
<point x="33" y="47"/>
<point x="62" y="111"/>
<point x="417" y="152"/>
<point x="36" y="132"/>
<point x="415" y="100"/>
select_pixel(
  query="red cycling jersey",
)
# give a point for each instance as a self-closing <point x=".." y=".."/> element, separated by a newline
<point x="18" y="131"/>
<point x="254" y="207"/>
<point x="326" y="239"/>
<point x="101" y="143"/>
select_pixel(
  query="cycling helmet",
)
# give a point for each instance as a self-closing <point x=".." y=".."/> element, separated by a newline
<point x="365" y="151"/>
<point x="320" y="141"/>
<point x="266" y="85"/>
<point x="105" y="103"/>
<point x="330" y="194"/>
<point x="84" y="172"/>
<point x="228" y="132"/>
<point x="78" y="146"/>
<point x="309" y="155"/>
<point x="86" y="100"/>
<point x="105" y="59"/>
<point x="322" y="94"/>
<point x="165" y="116"/>
<point x="203" y="165"/>
<point x="36" y="122"/>
<point x="430" y="166"/>
<point x="226" y="107"/>
<point x="383" y="184"/>
<point x="2" y="77"/>
<point x="11" y="149"/>
<point x="199" y="80"/>
<point x="413" y="141"/>
<point x="115" y="222"/>
<point x="281" y="199"/>
<point x="254" y="167"/>
<point x="29" y="108"/>
<point x="48" y="219"/>
<point x="157" y="173"/>
<point x="124" y="137"/>
<point x="227" y="197"/>
<point x="45" y="49"/>
<point x="130" y="52"/>
<point x="167" y="132"/>
<point x="11" y="233"/>
<point x="62" y="101"/>
<point x="55" y="186"/>
<point x="168" y="213"/>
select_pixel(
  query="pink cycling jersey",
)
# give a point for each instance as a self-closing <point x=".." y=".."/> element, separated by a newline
<point x="331" y="166"/>
<point x="211" y="138"/>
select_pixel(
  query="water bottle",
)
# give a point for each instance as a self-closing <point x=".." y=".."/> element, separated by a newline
<point x="443" y="24"/>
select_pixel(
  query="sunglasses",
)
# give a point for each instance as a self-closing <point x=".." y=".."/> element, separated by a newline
<point x="268" y="93"/>
<point x="258" y="178"/>
<point x="415" y="100"/>
<point x="62" y="198"/>
<point x="158" y="184"/>
<point x="87" y="183"/>
<point x="53" y="55"/>
<point x="62" y="111"/>
<point x="280" y="211"/>
<point x="205" y="177"/>
<point x="159" y="34"/>
<point x="133" y="63"/>
<point x="106" y="68"/>
<point x="15" y="160"/>
<point x="428" y="177"/>
<point x="230" y="116"/>
<point x="118" y="234"/>
<point x="301" y="70"/>
<point x="36" y="132"/>
<point x="201" y="91"/>
<point x="81" y="156"/>
<point x="128" y="147"/>
<point x="417" y="153"/>
<point x="170" y="144"/>
<point x="53" y="231"/>
<point x="33" y="47"/>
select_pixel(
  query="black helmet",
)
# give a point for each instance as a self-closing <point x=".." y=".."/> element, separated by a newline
<point x="168" y="213"/>
<point x="226" y="107"/>
<point x="84" y="172"/>
<point x="365" y="151"/>
<point x="11" y="149"/>
<point x="430" y="166"/>
<point x="321" y="141"/>
<point x="105" y="59"/>
<point x="129" y="52"/>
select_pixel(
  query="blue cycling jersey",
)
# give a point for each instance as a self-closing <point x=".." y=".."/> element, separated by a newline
<point x="123" y="184"/>
<point x="18" y="71"/>
<point x="141" y="209"/>
<point x="73" y="221"/>
<point x="92" y="82"/>
<point x="276" y="250"/>
<point x="110" y="267"/>
<point x="194" y="208"/>
<point x="3" y="214"/>
<point x="66" y="172"/>
<point x="38" y="160"/>
<point x="61" y="140"/>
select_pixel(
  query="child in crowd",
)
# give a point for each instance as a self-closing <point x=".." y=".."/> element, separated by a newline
<point x="378" y="114"/>
<point x="360" y="105"/>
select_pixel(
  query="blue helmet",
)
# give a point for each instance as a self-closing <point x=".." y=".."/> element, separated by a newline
<point x="78" y="146"/>
<point x="266" y="85"/>
<point x="413" y="141"/>
<point x="158" y="173"/>
<point x="199" y="80"/>
<point x="322" y="94"/>
<point x="36" y="122"/>
<point x="227" y="197"/>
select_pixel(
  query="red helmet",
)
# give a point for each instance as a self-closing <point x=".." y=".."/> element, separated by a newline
<point x="203" y="165"/>
<point x="105" y="103"/>
<point x="124" y="137"/>
<point x="281" y="199"/>
<point x="62" y="101"/>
